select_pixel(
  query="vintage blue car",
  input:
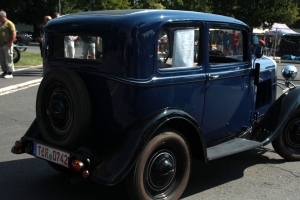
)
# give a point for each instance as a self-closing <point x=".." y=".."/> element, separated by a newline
<point x="115" y="104"/>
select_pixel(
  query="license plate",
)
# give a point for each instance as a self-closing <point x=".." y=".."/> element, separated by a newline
<point x="51" y="154"/>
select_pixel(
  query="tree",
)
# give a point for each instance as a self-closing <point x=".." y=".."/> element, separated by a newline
<point x="34" y="11"/>
<point x="68" y="7"/>
<point x="30" y="11"/>
<point x="92" y="5"/>
<point x="257" y="12"/>
<point x="148" y="4"/>
<point x="252" y="12"/>
<point x="196" y="5"/>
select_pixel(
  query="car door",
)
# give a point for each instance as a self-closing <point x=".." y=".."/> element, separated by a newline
<point x="229" y="91"/>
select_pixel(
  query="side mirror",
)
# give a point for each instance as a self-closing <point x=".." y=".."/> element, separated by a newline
<point x="259" y="52"/>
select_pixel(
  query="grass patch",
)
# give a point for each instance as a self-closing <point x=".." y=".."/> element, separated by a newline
<point x="29" y="59"/>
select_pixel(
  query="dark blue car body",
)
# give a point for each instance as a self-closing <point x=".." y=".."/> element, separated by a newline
<point x="212" y="102"/>
<point x="141" y="89"/>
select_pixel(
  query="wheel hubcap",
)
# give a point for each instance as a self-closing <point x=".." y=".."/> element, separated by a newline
<point x="162" y="170"/>
<point x="56" y="111"/>
<point x="59" y="111"/>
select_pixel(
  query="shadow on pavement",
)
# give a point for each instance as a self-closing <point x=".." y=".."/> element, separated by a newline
<point x="221" y="171"/>
<point x="36" y="71"/>
<point x="35" y="179"/>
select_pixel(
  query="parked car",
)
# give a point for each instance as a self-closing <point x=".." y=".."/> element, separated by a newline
<point x="139" y="115"/>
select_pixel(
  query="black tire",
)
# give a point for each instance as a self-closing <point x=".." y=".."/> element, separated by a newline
<point x="287" y="143"/>
<point x="16" y="55"/>
<point x="169" y="153"/>
<point x="63" y="108"/>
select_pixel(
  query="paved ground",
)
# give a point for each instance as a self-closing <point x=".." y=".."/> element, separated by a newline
<point x="23" y="77"/>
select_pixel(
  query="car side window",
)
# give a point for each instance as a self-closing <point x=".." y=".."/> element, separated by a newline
<point x="78" y="47"/>
<point x="178" y="47"/>
<point x="225" y="45"/>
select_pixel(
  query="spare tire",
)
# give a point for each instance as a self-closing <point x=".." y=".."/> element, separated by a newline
<point x="63" y="108"/>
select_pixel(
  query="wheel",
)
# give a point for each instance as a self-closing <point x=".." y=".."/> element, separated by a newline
<point x="16" y="55"/>
<point x="162" y="170"/>
<point x="21" y="46"/>
<point x="287" y="143"/>
<point x="63" y="108"/>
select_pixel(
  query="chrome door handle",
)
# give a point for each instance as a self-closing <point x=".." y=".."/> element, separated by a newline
<point x="212" y="77"/>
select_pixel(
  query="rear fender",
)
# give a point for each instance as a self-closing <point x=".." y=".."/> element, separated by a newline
<point x="125" y="153"/>
<point x="270" y="125"/>
<point x="33" y="130"/>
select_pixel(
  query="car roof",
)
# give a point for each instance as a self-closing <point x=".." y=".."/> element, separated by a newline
<point x="147" y="16"/>
<point x="141" y="21"/>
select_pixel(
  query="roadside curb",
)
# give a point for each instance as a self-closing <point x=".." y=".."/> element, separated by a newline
<point x="26" y="67"/>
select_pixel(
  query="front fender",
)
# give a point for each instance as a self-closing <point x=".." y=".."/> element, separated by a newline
<point x="270" y="125"/>
<point x="126" y="151"/>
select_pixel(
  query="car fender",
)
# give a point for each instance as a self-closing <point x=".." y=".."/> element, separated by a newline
<point x="125" y="153"/>
<point x="269" y="126"/>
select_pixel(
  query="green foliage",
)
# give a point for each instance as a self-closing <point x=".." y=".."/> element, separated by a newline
<point x="30" y="11"/>
<point x="252" y="12"/>
<point x="29" y="59"/>
<point x="68" y="7"/>
<point x="91" y="5"/>
<point x="257" y="12"/>
<point x="148" y="4"/>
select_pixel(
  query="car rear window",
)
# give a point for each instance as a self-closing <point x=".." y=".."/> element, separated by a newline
<point x="108" y="52"/>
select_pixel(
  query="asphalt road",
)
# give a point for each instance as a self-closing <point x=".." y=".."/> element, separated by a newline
<point x="255" y="174"/>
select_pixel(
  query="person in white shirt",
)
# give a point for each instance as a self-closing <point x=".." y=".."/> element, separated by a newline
<point x="69" y="46"/>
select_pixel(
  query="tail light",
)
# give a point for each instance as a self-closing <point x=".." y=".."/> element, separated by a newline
<point x="85" y="173"/>
<point x="77" y="165"/>
<point x="18" y="146"/>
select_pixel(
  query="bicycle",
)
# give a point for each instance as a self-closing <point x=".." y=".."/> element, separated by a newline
<point x="21" y="46"/>
<point x="16" y="54"/>
<point x="22" y="41"/>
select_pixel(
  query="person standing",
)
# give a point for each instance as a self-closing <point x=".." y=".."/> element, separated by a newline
<point x="56" y="15"/>
<point x="69" y="46"/>
<point x="41" y="33"/>
<point x="235" y="38"/>
<point x="220" y="42"/>
<point x="89" y="46"/>
<point x="254" y="43"/>
<point x="226" y="42"/>
<point x="261" y="42"/>
<point x="270" y="47"/>
<point x="7" y="37"/>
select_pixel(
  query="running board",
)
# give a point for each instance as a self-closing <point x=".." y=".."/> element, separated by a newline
<point x="231" y="147"/>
